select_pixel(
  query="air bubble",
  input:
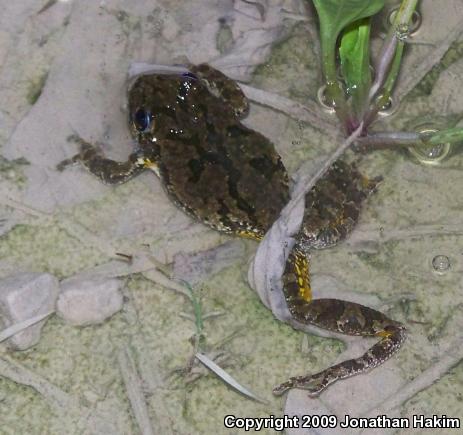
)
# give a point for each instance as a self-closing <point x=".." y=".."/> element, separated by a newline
<point x="415" y="22"/>
<point x="433" y="154"/>
<point x="389" y="108"/>
<point x="441" y="263"/>
<point x="321" y="95"/>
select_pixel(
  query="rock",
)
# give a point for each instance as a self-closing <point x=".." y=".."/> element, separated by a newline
<point x="88" y="300"/>
<point x="23" y="296"/>
<point x="196" y="267"/>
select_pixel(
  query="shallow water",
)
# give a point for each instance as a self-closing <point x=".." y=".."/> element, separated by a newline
<point x="64" y="69"/>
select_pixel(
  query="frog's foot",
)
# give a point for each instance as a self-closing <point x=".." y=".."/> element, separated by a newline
<point x="109" y="171"/>
<point x="311" y="383"/>
<point x="392" y="339"/>
<point x="223" y="87"/>
<point x="352" y="319"/>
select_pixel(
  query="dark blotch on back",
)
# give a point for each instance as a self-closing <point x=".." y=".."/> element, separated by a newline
<point x="264" y="165"/>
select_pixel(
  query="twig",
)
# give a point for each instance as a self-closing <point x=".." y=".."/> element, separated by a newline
<point x="385" y="59"/>
<point x="17" y="327"/>
<point x="159" y="278"/>
<point x="388" y="49"/>
<point x="408" y="139"/>
<point x="134" y="391"/>
<point x="59" y="399"/>
<point x="387" y="140"/>
<point x="186" y="316"/>
<point x="265" y="272"/>
<point x="213" y="314"/>
<point x="327" y="165"/>
<point x="415" y="75"/>
<point x="307" y="113"/>
<point x="222" y="374"/>
<point x="370" y="233"/>
<point x="64" y="403"/>
<point x="16" y="205"/>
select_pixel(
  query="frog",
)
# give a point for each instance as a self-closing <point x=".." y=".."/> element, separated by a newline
<point x="188" y="130"/>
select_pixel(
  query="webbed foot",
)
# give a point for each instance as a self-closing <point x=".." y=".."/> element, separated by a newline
<point x="352" y="319"/>
<point x="109" y="171"/>
<point x="313" y="384"/>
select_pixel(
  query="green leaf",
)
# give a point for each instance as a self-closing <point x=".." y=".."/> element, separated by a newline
<point x="355" y="63"/>
<point x="334" y="16"/>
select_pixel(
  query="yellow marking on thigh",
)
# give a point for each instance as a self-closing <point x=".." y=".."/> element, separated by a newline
<point x="148" y="164"/>
<point x="301" y="266"/>
<point x="367" y="183"/>
<point x="249" y="234"/>
<point x="384" y="334"/>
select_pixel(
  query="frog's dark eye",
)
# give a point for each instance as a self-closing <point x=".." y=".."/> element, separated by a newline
<point x="142" y="120"/>
<point x="189" y="75"/>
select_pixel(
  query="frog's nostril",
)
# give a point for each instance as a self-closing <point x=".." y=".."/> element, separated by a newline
<point x="142" y="120"/>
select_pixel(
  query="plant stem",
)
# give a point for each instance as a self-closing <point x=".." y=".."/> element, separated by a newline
<point x="413" y="77"/>
<point x="335" y="95"/>
<point x="382" y="140"/>
<point x="334" y="92"/>
<point x="324" y="168"/>
<point x="451" y="136"/>
<point x="411" y="139"/>
<point x="387" y="54"/>
<point x="385" y="96"/>
<point x="198" y="315"/>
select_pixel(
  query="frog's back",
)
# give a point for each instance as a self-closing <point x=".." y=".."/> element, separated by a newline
<point x="229" y="176"/>
<point x="225" y="174"/>
<point x="332" y="207"/>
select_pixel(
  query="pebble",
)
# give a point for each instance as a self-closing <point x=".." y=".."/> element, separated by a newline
<point x="87" y="300"/>
<point x="23" y="296"/>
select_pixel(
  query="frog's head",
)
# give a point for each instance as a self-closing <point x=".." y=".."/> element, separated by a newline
<point x="150" y="101"/>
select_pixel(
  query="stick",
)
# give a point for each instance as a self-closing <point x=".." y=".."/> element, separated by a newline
<point x="18" y="327"/>
<point x="415" y="75"/>
<point x="388" y="49"/>
<point x="132" y="384"/>
<point x="306" y="113"/>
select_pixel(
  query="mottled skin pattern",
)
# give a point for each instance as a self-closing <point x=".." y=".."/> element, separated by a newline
<point x="344" y="317"/>
<point x="231" y="178"/>
<point x="332" y="207"/>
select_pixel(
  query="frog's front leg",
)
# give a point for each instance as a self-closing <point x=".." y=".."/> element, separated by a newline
<point x="223" y="87"/>
<point x="338" y="316"/>
<point x="109" y="171"/>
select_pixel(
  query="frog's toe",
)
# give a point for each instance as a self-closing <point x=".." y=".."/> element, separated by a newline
<point x="84" y="146"/>
<point x="74" y="137"/>
<point x="61" y="166"/>
<point x="314" y="384"/>
<point x="279" y="390"/>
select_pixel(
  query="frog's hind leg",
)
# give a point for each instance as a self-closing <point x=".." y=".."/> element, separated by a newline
<point x="109" y="171"/>
<point x="223" y="87"/>
<point x="338" y="316"/>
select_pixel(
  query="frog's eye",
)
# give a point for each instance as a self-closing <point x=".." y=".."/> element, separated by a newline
<point x="189" y="75"/>
<point x="142" y="120"/>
